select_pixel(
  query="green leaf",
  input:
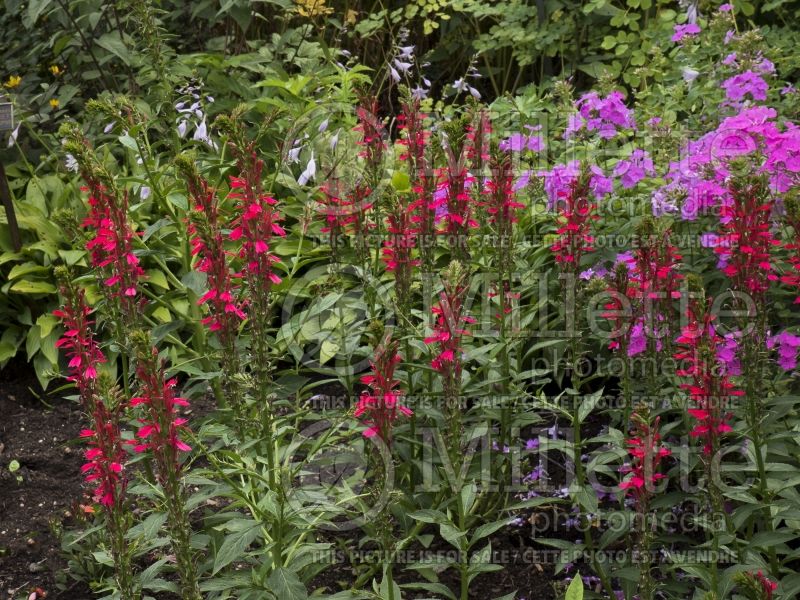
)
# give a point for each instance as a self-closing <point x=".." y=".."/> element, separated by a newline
<point x="575" y="589"/>
<point x="26" y="269"/>
<point x="36" y="8"/>
<point x="588" y="403"/>
<point x="401" y="181"/>
<point x="234" y="547"/>
<point x="195" y="281"/>
<point x="157" y="277"/>
<point x="7" y="350"/>
<point x="33" y="287"/>
<point x="286" y="585"/>
<point x="178" y="199"/>
<point x="113" y="43"/>
<point x="46" y="322"/>
<point x="71" y="257"/>
<point x="488" y="529"/>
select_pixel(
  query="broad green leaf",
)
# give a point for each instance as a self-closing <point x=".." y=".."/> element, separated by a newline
<point x="36" y="8"/>
<point x="286" y="585"/>
<point x="575" y="589"/>
<point x="234" y="546"/>
<point x="33" y="287"/>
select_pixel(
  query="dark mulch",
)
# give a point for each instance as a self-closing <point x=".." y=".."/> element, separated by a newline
<point x="43" y="494"/>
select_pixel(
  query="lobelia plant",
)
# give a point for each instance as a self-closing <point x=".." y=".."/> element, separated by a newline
<point x="642" y="474"/>
<point x="706" y="379"/>
<point x="379" y="407"/>
<point x="160" y="436"/>
<point x="110" y="244"/>
<point x="256" y="224"/>
<point x="226" y="309"/>
<point x="105" y="458"/>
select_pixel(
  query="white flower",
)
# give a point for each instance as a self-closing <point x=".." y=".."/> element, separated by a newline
<point x="419" y="93"/>
<point x="309" y="173"/>
<point x="109" y="127"/>
<point x="201" y="133"/>
<point x="182" y="128"/>
<point x="323" y="126"/>
<point x="335" y="139"/>
<point x="689" y="74"/>
<point x="460" y="85"/>
<point x="12" y="138"/>
<point x="71" y="163"/>
<point x="406" y="52"/>
<point x="394" y="74"/>
<point x="402" y="66"/>
<point x="294" y="154"/>
<point x="144" y="192"/>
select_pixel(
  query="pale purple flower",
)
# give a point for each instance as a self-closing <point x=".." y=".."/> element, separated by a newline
<point x="689" y="74"/>
<point x="12" y="138"/>
<point x="634" y="168"/>
<point x="788" y="345"/>
<point x="726" y="7"/>
<point x="599" y="183"/>
<point x="419" y="93"/>
<point x="310" y="171"/>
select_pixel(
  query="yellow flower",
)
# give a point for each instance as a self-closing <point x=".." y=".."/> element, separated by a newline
<point x="312" y="8"/>
<point x="56" y="70"/>
<point x="54" y="102"/>
<point x="13" y="81"/>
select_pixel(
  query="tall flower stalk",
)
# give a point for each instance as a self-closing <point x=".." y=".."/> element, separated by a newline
<point x="453" y="199"/>
<point x="450" y="320"/>
<point x="105" y="456"/>
<point x="160" y="435"/>
<point x="646" y="453"/>
<point x="707" y="381"/>
<point x="225" y="309"/>
<point x="745" y="256"/>
<point x="379" y="408"/>
<point x="398" y="251"/>
<point x="415" y="138"/>
<point x="255" y="226"/>
<point x="110" y="242"/>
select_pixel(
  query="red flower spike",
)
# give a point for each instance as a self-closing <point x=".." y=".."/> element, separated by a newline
<point x="646" y="453"/>
<point x="706" y="381"/>
<point x="160" y="427"/>
<point x="379" y="406"/>
<point x="575" y="212"/>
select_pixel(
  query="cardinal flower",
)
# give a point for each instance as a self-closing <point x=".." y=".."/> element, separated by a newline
<point x="380" y="404"/>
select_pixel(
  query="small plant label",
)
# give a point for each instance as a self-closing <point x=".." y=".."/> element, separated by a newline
<point x="6" y="116"/>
